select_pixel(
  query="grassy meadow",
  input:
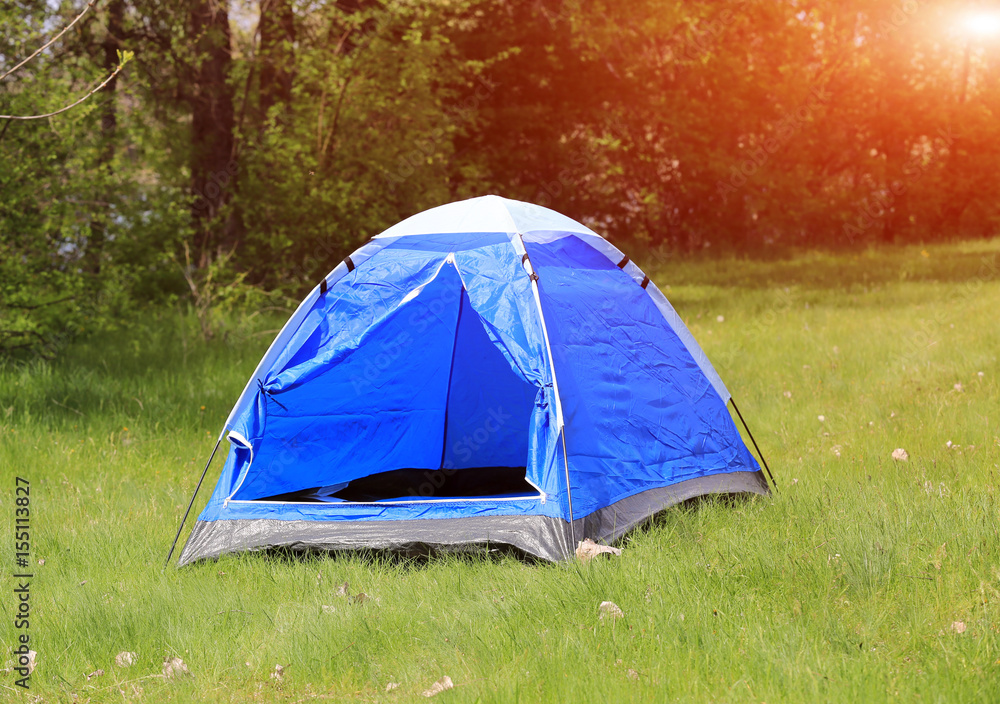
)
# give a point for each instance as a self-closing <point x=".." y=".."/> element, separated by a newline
<point x="864" y="579"/>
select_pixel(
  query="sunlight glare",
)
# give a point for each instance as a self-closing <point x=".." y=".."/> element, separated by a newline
<point x="982" y="23"/>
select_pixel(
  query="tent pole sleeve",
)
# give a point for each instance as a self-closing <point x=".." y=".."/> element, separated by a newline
<point x="196" y="489"/>
<point x="759" y="453"/>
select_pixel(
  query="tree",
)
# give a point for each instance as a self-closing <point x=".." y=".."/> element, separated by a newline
<point x="214" y="166"/>
<point x="84" y="224"/>
<point x="365" y="139"/>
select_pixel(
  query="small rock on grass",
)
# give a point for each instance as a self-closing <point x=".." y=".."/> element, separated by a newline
<point x="174" y="667"/>
<point x="610" y="608"/>
<point x="439" y="686"/>
<point x="587" y="550"/>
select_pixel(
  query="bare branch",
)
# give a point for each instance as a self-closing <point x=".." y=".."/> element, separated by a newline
<point x="53" y="40"/>
<point x="105" y="82"/>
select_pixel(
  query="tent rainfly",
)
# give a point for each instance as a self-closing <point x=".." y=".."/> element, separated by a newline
<point x="485" y="372"/>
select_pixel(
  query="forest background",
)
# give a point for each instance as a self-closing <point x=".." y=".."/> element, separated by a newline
<point x="249" y="146"/>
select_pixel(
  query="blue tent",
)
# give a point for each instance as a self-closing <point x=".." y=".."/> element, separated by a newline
<point x="484" y="372"/>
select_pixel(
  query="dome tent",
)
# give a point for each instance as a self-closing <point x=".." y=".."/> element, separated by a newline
<point x="487" y="371"/>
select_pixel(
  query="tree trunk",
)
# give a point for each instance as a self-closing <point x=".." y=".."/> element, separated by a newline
<point x="213" y="158"/>
<point x="277" y="34"/>
<point x="109" y="127"/>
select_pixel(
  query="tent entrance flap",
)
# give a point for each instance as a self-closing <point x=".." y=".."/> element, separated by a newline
<point x="448" y="418"/>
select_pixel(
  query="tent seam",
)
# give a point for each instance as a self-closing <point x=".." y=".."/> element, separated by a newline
<point x="451" y="369"/>
<point x="537" y="295"/>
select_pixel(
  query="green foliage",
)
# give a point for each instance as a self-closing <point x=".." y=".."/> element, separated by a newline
<point x="364" y="141"/>
<point x="220" y="295"/>
<point x="83" y="224"/>
<point x="282" y="135"/>
<point x="848" y="585"/>
<point x="743" y="124"/>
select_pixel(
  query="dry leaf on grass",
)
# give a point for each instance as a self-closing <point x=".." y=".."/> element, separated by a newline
<point x="939" y="556"/>
<point x="173" y="667"/>
<point x="587" y="550"/>
<point x="31" y="661"/>
<point x="439" y="686"/>
<point x="125" y="659"/>
<point x="900" y="455"/>
<point x="610" y="608"/>
<point x="95" y="673"/>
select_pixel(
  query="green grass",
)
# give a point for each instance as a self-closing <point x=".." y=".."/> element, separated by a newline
<point x="843" y="587"/>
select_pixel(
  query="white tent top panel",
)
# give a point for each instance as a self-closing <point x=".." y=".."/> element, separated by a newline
<point x="486" y="214"/>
